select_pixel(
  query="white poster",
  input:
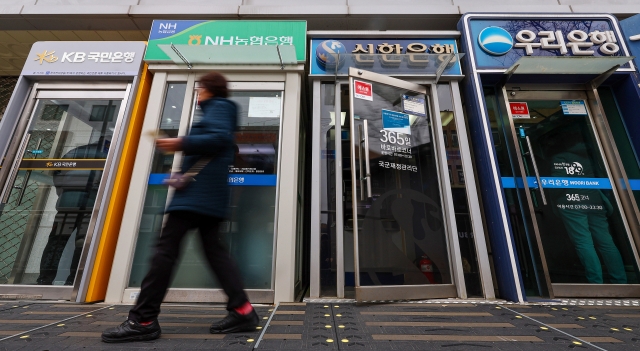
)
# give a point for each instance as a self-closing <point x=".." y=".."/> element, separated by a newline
<point x="264" y="107"/>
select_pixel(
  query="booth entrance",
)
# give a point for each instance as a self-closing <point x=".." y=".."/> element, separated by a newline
<point x="52" y="178"/>
<point x="576" y="227"/>
<point x="399" y="216"/>
<point x="394" y="204"/>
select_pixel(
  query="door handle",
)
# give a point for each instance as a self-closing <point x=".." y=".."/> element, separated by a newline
<point x="27" y="175"/>
<point x="14" y="171"/>
<point x="535" y="169"/>
<point x="366" y="157"/>
<point x="361" y="168"/>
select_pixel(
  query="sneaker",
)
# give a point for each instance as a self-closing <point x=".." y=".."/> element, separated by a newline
<point x="235" y="322"/>
<point x="132" y="331"/>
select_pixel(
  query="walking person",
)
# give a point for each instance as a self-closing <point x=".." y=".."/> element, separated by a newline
<point x="201" y="204"/>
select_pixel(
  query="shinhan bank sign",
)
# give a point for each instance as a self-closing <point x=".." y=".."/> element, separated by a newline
<point x="500" y="40"/>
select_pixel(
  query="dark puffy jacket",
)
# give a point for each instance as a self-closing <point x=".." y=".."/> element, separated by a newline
<point x="212" y="136"/>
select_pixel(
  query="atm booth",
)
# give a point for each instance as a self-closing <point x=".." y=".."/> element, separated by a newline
<point x="394" y="210"/>
<point x="264" y="62"/>
<point x="65" y="141"/>
<point x="552" y="107"/>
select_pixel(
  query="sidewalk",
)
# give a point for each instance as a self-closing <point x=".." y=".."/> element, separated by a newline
<point x="449" y="325"/>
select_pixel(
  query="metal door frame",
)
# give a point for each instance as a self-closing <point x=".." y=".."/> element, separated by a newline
<point x="75" y="91"/>
<point x="119" y="289"/>
<point x="613" y="165"/>
<point x="399" y="292"/>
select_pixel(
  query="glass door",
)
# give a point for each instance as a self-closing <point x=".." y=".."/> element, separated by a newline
<point x="53" y="183"/>
<point x="567" y="191"/>
<point x="401" y="246"/>
<point x="249" y="232"/>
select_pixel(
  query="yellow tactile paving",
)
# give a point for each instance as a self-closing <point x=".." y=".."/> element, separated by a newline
<point x="164" y="336"/>
<point x="485" y="338"/>
<point x="286" y="322"/>
<point x="450" y="314"/>
<point x="537" y="315"/>
<point x="566" y="326"/>
<point x="62" y="313"/>
<point x="439" y="324"/>
<point x="283" y="336"/>
<point x="599" y="339"/>
<point x="27" y="321"/>
<point x="182" y="315"/>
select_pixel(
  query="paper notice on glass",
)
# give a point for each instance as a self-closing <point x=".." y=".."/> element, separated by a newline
<point x="265" y="107"/>
<point x="413" y="105"/>
<point x="574" y="107"/>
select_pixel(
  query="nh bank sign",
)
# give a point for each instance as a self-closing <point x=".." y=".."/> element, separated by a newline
<point x="235" y="33"/>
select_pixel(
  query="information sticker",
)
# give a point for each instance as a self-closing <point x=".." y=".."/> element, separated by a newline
<point x="574" y="107"/>
<point x="362" y="90"/>
<point x="519" y="110"/>
<point x="397" y="122"/>
<point x="413" y="105"/>
<point x="265" y="107"/>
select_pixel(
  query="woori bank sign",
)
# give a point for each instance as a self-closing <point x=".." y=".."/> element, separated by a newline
<point x="497" y="41"/>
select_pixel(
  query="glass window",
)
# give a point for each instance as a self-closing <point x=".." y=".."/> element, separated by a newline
<point x="249" y="232"/>
<point x="45" y="221"/>
<point x="459" y="193"/>
<point x="156" y="193"/>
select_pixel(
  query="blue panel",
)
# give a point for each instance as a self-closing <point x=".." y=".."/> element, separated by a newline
<point x="490" y="194"/>
<point x="627" y="95"/>
<point x="565" y="183"/>
<point x="490" y="52"/>
<point x="234" y="179"/>
<point x="321" y="55"/>
<point x="631" y="26"/>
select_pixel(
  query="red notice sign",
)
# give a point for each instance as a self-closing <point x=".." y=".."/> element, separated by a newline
<point x="519" y="110"/>
<point x="362" y="90"/>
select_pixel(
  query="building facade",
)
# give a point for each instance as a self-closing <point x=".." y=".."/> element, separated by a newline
<point x="384" y="153"/>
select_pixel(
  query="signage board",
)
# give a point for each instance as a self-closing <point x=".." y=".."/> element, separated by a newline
<point x="519" y="110"/>
<point x="362" y="90"/>
<point x="631" y="32"/>
<point x="396" y="122"/>
<point x="323" y="55"/>
<point x="84" y="58"/>
<point x="235" y="33"/>
<point x="574" y="107"/>
<point x="500" y="40"/>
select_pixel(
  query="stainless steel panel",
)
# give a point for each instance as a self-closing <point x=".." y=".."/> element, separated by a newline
<point x="409" y="292"/>
<point x="381" y="78"/>
<point x="37" y="291"/>
<point x="215" y="295"/>
<point x="596" y="290"/>
<point x="87" y="94"/>
<point x="83" y="86"/>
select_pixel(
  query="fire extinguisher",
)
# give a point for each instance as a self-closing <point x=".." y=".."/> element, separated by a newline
<point x="426" y="266"/>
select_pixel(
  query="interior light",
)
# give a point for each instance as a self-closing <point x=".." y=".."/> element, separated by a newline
<point x="173" y="107"/>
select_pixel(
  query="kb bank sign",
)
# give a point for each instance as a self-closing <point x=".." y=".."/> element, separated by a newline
<point x="499" y="40"/>
<point x="81" y="58"/>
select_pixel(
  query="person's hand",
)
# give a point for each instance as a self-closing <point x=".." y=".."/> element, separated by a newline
<point x="169" y="144"/>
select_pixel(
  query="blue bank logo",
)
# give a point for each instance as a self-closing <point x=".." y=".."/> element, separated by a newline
<point x="330" y="53"/>
<point x="495" y="40"/>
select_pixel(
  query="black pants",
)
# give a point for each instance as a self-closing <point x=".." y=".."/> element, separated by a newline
<point x="156" y="282"/>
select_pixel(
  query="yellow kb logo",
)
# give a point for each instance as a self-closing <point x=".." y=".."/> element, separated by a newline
<point x="46" y="56"/>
